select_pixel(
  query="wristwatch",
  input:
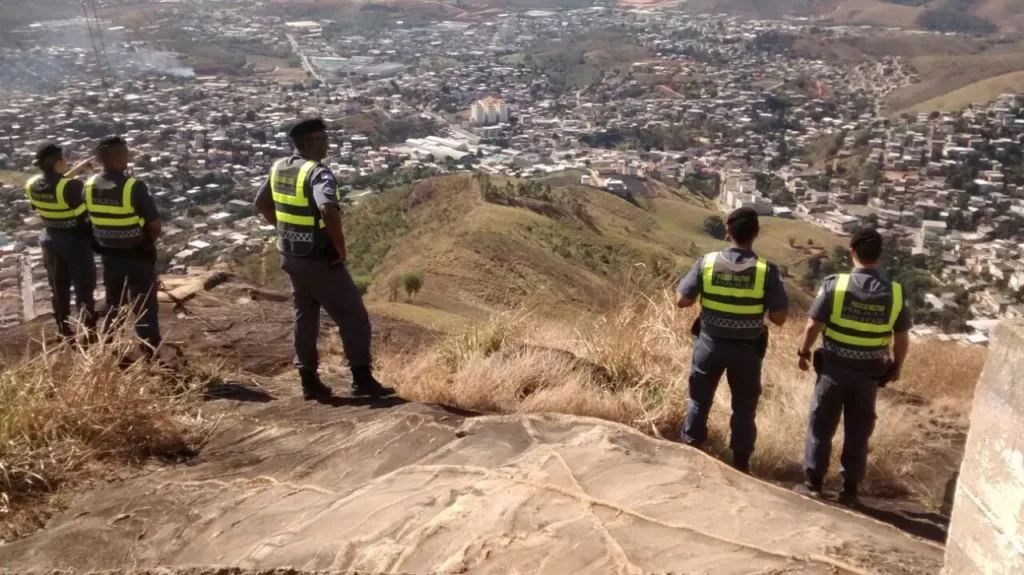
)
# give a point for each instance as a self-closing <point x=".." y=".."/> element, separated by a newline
<point x="803" y="354"/>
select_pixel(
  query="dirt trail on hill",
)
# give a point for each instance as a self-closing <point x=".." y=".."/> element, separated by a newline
<point x="392" y="487"/>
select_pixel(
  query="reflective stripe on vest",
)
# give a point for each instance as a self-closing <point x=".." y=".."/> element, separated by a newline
<point x="115" y="223"/>
<point x="293" y="209"/>
<point x="709" y="290"/>
<point x="871" y="335"/>
<point x="58" y="212"/>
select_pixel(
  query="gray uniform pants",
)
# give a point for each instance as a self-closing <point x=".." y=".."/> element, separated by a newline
<point x="320" y="283"/>
<point x="132" y="280"/>
<point x="741" y="364"/>
<point x="70" y="264"/>
<point x="851" y="396"/>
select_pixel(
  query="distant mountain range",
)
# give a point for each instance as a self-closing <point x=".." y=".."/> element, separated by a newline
<point x="968" y="16"/>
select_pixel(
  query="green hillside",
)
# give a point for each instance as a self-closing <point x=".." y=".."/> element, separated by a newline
<point x="489" y="243"/>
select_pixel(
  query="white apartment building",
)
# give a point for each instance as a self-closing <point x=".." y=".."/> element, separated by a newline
<point x="489" y="110"/>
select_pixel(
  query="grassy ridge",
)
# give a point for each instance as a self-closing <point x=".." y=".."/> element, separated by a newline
<point x="576" y="249"/>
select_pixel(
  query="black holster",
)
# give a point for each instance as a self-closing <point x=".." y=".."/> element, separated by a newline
<point x="818" y="360"/>
<point x="762" y="344"/>
<point x="695" y="328"/>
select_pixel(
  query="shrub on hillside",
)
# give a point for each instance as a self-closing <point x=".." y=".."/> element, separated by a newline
<point x="714" y="226"/>
<point x="413" y="283"/>
<point x="362" y="283"/>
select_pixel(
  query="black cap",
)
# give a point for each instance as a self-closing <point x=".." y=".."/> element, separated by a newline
<point x="865" y="236"/>
<point x="307" y="126"/>
<point x="742" y="215"/>
<point x="47" y="151"/>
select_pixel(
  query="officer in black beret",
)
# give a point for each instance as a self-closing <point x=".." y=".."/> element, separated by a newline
<point x="301" y="199"/>
<point x="66" y="239"/>
<point x="735" y="288"/>
<point x="860" y="315"/>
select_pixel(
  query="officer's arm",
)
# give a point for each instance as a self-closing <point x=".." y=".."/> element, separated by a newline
<point x="811" y="332"/>
<point x="264" y="203"/>
<point x="332" y="223"/>
<point x="79" y="167"/>
<point x="689" y="287"/>
<point x="146" y="208"/>
<point x="900" y="348"/>
<point x="775" y="298"/>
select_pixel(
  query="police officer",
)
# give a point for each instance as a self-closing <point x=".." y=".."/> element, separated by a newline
<point x="66" y="238"/>
<point x="126" y="225"/>
<point x="860" y="314"/>
<point x="301" y="199"/>
<point x="735" y="288"/>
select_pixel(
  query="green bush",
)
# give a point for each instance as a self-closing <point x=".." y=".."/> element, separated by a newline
<point x="362" y="283"/>
<point x="413" y="283"/>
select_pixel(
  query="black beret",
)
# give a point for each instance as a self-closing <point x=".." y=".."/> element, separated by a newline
<point x="742" y="215"/>
<point x="47" y="150"/>
<point x="308" y="126"/>
<point x="864" y="236"/>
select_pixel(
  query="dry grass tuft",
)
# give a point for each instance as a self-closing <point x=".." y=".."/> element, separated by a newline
<point x="67" y="413"/>
<point x="631" y="366"/>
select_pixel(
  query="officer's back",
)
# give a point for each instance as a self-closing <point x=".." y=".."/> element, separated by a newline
<point x="735" y="288"/>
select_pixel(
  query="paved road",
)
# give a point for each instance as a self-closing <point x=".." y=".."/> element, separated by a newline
<point x="305" y="61"/>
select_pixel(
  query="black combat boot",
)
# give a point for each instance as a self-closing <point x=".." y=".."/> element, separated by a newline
<point x="312" y="387"/>
<point x="364" y="384"/>
<point x="848" y="496"/>
<point x="741" y="461"/>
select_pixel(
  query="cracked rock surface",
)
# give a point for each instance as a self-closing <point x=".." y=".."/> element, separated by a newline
<point x="360" y="487"/>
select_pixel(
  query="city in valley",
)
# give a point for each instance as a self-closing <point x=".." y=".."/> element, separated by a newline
<point x="743" y="112"/>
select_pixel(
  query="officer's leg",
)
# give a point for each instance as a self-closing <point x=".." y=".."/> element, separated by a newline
<point x="826" y="409"/>
<point x="705" y="372"/>
<point x="115" y="286"/>
<point x="306" y="327"/>
<point x="858" y="425"/>
<point x="83" y="277"/>
<point x="343" y="302"/>
<point x="59" y="277"/>
<point x="744" y="377"/>
<point x="142" y="287"/>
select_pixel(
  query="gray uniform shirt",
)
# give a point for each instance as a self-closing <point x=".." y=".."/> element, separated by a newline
<point x="870" y="281"/>
<point x="324" y="192"/>
<point x="775" y="298"/>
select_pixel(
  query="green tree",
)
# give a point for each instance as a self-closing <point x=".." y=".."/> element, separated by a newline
<point x="362" y="283"/>
<point x="714" y="226"/>
<point x="413" y="283"/>
<point x="840" y="259"/>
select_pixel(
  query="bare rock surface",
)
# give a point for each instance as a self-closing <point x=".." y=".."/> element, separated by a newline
<point x="361" y="486"/>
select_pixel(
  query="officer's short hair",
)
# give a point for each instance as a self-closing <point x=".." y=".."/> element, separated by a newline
<point x="48" y="153"/>
<point x="743" y="225"/>
<point x="303" y="128"/>
<point x="110" y="142"/>
<point x="867" y="244"/>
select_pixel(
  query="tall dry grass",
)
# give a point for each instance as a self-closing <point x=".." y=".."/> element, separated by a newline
<point x="69" y="413"/>
<point x="631" y="366"/>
